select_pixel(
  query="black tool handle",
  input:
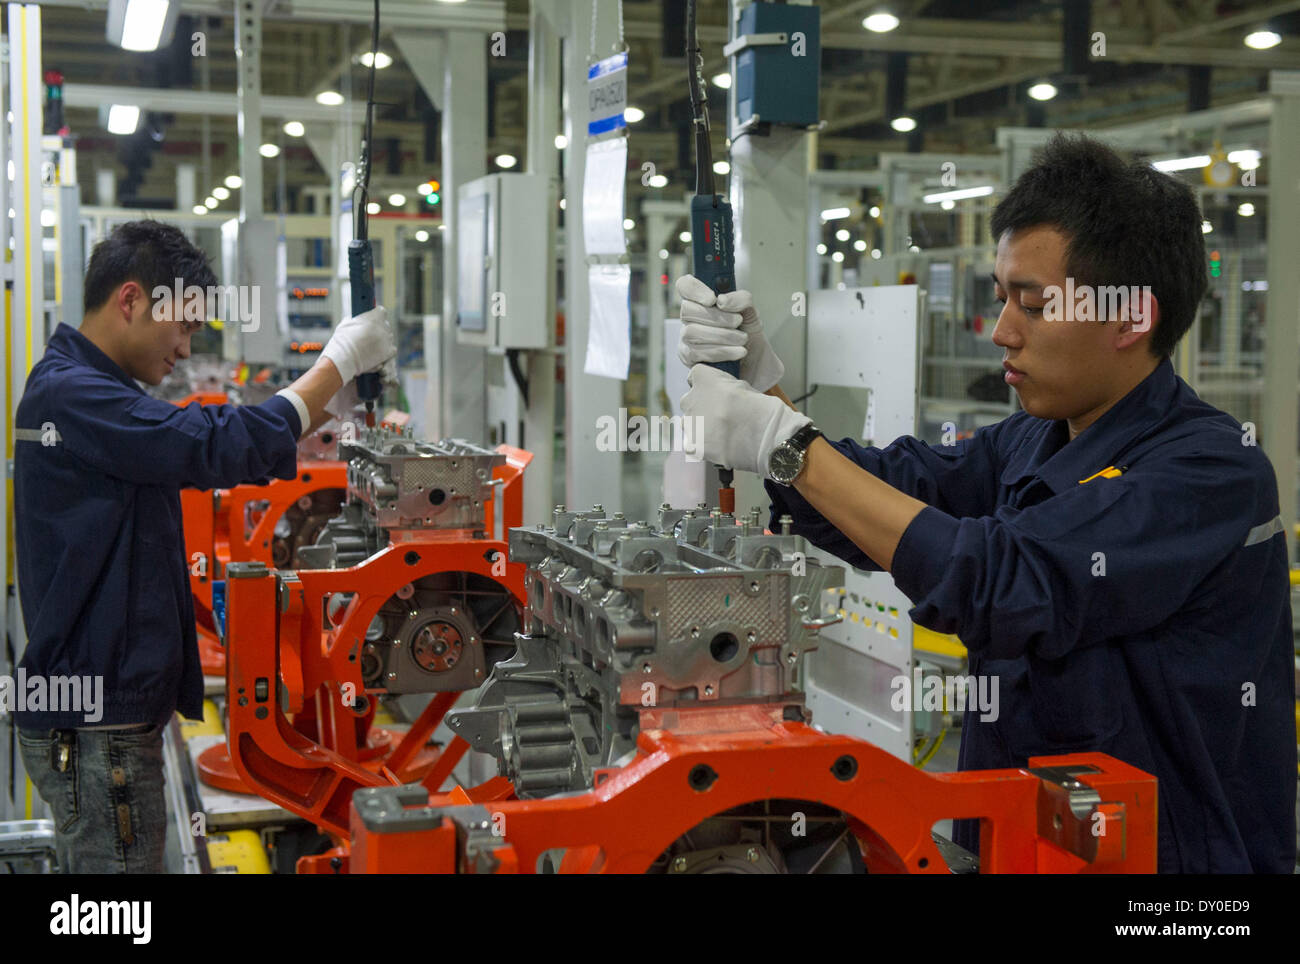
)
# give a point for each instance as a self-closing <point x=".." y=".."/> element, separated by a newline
<point x="361" y="275"/>
<point x="714" y="252"/>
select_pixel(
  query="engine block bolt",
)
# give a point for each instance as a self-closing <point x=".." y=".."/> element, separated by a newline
<point x="679" y="865"/>
<point x="786" y="522"/>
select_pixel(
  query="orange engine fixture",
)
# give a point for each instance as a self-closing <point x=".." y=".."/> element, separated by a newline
<point x="652" y="719"/>
<point x="267" y="523"/>
<point x="407" y="591"/>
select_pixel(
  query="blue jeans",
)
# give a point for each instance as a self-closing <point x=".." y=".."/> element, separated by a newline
<point x="106" y="790"/>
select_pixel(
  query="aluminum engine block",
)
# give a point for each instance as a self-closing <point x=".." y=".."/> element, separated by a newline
<point x="623" y="618"/>
<point x="398" y="482"/>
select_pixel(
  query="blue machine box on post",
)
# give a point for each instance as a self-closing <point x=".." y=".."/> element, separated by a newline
<point x="778" y="80"/>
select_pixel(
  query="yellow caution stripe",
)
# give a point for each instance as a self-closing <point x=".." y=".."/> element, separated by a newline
<point x="237" y="852"/>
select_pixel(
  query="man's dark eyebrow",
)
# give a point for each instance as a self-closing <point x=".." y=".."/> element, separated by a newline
<point x="1017" y="285"/>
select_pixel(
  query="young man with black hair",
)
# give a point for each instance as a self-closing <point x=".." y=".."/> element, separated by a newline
<point x="1113" y="554"/>
<point x="102" y="579"/>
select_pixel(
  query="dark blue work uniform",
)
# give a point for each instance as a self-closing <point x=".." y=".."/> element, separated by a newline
<point x="1146" y="616"/>
<point x="102" y="577"/>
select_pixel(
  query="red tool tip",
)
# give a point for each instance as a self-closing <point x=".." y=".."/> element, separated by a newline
<point x="727" y="500"/>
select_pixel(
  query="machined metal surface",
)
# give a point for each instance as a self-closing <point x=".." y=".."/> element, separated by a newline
<point x="409" y="484"/>
<point x="625" y="617"/>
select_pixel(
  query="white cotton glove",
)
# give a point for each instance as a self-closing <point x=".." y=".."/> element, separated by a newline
<point x="739" y="426"/>
<point x="345" y="402"/>
<point x="725" y="327"/>
<point x="361" y="344"/>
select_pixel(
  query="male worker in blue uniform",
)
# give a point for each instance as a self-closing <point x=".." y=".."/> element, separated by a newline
<point x="101" y="567"/>
<point x="1113" y="554"/>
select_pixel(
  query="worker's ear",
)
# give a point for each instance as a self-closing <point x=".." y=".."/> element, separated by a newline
<point x="1138" y="318"/>
<point x="133" y="301"/>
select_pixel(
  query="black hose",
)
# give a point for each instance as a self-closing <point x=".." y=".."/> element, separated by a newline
<point x="512" y="358"/>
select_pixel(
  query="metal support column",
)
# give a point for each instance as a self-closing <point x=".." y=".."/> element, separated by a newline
<point x="24" y="329"/>
<point x="1282" y="331"/>
<point x="591" y="476"/>
<point x="542" y="159"/>
<point x="462" y="384"/>
<point x="769" y="195"/>
<point x="248" y="55"/>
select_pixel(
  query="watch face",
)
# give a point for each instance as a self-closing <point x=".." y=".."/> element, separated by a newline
<point x="785" y="463"/>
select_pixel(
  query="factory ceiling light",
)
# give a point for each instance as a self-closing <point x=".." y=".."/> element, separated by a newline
<point x="373" y="207"/>
<point x="834" y="214"/>
<point x="659" y="180"/>
<point x="381" y="61"/>
<point x="234" y="181"/>
<point x="220" y="193"/>
<point x="421" y="236"/>
<point x="294" y="128"/>
<point x="425" y="189"/>
<point x="1182" y="163"/>
<point x="561" y="142"/>
<point x="140" y="25"/>
<point x="1247" y="159"/>
<point x="882" y="21"/>
<point x="1246" y="210"/>
<point x="210" y="202"/>
<point x="200" y="209"/>
<point x="1042" y="91"/>
<point x="397" y="200"/>
<point x="903" y="124"/>
<point x="123" y="118"/>
<point x="1261" y="39"/>
<point x="633" y="114"/>
<point x="721" y="167"/>
<point x="722" y="80"/>
<point x="330" y="98"/>
<point x="959" y="195"/>
<point x="269" y="150"/>
<point x="506" y="160"/>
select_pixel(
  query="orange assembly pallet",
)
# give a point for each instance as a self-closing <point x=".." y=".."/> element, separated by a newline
<point x="301" y="676"/>
<point x="239" y="525"/>
<point x="693" y="766"/>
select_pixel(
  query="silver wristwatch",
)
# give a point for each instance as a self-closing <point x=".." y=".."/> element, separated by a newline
<point x="787" y="459"/>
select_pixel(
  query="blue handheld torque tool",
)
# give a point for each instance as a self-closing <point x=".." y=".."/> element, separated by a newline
<point x="714" y="256"/>
<point x="712" y="235"/>
<point x="361" y="275"/>
<point x="361" y="257"/>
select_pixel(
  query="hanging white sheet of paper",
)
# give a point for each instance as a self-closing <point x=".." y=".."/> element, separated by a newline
<point x="609" y="346"/>
<point x="602" y="197"/>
